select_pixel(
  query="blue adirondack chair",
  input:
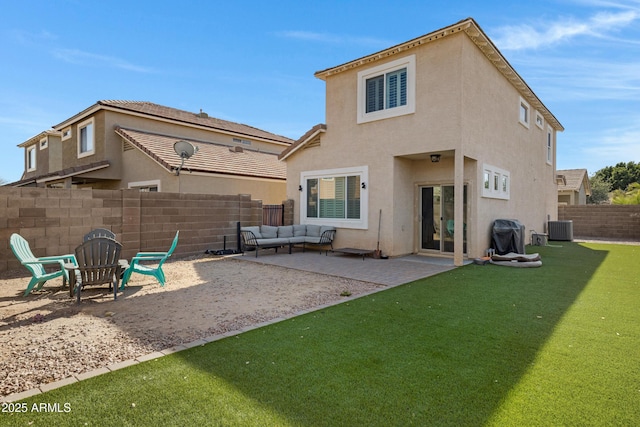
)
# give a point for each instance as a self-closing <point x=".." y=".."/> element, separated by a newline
<point x="150" y="270"/>
<point x="35" y="265"/>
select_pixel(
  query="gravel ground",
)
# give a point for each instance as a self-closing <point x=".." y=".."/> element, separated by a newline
<point x="46" y="337"/>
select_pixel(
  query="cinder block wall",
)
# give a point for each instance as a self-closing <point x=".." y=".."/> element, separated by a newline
<point x="55" y="220"/>
<point x="618" y="222"/>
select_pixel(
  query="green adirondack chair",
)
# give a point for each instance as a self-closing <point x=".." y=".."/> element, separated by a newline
<point x="155" y="270"/>
<point x="35" y="265"/>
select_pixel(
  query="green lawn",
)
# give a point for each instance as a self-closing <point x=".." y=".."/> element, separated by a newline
<point x="479" y="345"/>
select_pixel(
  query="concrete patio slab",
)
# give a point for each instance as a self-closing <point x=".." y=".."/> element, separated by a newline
<point x="390" y="272"/>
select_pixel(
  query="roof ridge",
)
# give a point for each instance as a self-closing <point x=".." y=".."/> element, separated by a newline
<point x="196" y="118"/>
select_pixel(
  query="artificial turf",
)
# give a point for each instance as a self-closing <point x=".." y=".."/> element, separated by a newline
<point x="478" y="345"/>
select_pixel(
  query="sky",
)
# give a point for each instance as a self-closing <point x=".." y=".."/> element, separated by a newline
<point x="253" y="62"/>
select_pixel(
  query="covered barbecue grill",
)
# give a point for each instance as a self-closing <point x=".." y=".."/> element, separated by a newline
<point x="507" y="236"/>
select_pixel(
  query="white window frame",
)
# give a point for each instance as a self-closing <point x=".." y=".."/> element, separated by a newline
<point x="539" y="120"/>
<point x="525" y="118"/>
<point x="81" y="126"/>
<point x="496" y="182"/>
<point x="141" y="185"/>
<point x="66" y="133"/>
<point x="44" y="143"/>
<point x="409" y="63"/>
<point x="31" y="155"/>
<point x="362" y="222"/>
<point x="549" y="145"/>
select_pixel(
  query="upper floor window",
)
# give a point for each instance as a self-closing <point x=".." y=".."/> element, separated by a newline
<point x="524" y="113"/>
<point x="387" y="90"/>
<point x="86" y="146"/>
<point x="539" y="120"/>
<point x="44" y="143"/>
<point x="549" y="145"/>
<point x="31" y="158"/>
<point x="66" y="133"/>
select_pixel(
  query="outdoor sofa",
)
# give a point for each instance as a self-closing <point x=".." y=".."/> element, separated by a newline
<point x="266" y="236"/>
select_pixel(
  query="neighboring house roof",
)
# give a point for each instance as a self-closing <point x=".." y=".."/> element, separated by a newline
<point x="210" y="158"/>
<point x="312" y="135"/>
<point x="573" y="179"/>
<point x="201" y="119"/>
<point x="475" y="33"/>
<point x="61" y="174"/>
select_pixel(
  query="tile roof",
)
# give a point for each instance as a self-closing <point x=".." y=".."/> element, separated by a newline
<point x="573" y="179"/>
<point x="210" y="158"/>
<point x="187" y="117"/>
<point x="61" y="174"/>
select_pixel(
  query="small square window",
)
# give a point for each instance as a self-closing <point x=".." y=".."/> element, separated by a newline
<point x="66" y="133"/>
<point x="44" y="143"/>
<point x="539" y="120"/>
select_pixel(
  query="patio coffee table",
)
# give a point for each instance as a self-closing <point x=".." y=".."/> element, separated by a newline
<point x="354" y="251"/>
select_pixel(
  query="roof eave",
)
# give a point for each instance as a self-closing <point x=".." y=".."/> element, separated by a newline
<point x="309" y="136"/>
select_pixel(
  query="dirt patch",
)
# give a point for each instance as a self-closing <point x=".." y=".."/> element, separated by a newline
<point x="46" y="337"/>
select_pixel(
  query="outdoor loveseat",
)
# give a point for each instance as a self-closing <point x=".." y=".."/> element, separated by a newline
<point x="266" y="236"/>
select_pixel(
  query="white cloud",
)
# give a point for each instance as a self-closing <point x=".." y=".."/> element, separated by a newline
<point x="600" y="25"/>
<point x="78" y="57"/>
<point x="334" y="39"/>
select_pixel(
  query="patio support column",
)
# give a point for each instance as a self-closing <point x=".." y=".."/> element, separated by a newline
<point x="458" y="216"/>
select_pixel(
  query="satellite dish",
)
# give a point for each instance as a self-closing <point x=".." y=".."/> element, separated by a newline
<point x="185" y="150"/>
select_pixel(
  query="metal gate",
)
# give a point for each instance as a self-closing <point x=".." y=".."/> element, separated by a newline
<point x="273" y="215"/>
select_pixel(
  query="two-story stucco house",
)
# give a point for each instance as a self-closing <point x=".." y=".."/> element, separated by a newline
<point x="129" y="144"/>
<point x="438" y="136"/>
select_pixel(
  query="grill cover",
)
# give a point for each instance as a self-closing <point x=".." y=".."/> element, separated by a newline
<point x="507" y="236"/>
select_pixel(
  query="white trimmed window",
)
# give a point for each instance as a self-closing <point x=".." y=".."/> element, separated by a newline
<point x="44" y="143"/>
<point x="86" y="139"/>
<point x="525" y="113"/>
<point x="66" y="133"/>
<point x="496" y="183"/>
<point x="549" y="145"/>
<point x="31" y="158"/>
<point x="146" y="186"/>
<point x="335" y="197"/>
<point x="387" y="90"/>
<point x="539" y="120"/>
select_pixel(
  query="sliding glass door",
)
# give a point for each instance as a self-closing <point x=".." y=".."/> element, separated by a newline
<point x="437" y="208"/>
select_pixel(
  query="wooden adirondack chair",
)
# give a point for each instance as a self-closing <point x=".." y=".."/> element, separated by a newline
<point x="98" y="263"/>
<point x="35" y="265"/>
<point x="156" y="271"/>
<point x="99" y="232"/>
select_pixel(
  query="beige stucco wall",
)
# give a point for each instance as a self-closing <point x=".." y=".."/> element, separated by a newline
<point x="462" y="103"/>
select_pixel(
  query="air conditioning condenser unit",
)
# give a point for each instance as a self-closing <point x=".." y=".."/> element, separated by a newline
<point x="561" y="230"/>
